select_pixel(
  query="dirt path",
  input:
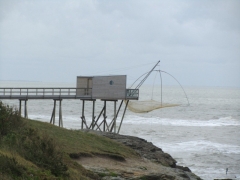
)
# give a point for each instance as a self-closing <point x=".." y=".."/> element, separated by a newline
<point x="129" y="168"/>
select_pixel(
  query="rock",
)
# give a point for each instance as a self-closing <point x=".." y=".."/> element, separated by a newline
<point x="113" y="178"/>
<point x="143" y="148"/>
<point x="167" y="168"/>
<point x="183" y="168"/>
<point x="158" y="177"/>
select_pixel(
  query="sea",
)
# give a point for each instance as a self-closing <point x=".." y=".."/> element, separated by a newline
<point x="202" y="132"/>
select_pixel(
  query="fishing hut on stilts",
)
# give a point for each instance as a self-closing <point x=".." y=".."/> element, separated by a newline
<point x="112" y="89"/>
<point x="108" y="89"/>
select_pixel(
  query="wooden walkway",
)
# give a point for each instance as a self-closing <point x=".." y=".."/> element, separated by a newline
<point x="55" y="93"/>
<point x="58" y="94"/>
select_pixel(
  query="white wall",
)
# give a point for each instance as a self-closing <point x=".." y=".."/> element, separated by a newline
<point x="109" y="87"/>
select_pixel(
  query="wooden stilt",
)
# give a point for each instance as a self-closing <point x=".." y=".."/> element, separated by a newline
<point x="119" y="108"/>
<point x="60" y="123"/>
<point x="99" y="126"/>
<point x="93" y="117"/>
<point x="25" y="109"/>
<point x="107" y="129"/>
<point x="84" y="122"/>
<point x="104" y="117"/>
<point x="83" y="118"/>
<point x="103" y="125"/>
<point x="113" y="122"/>
<point x="123" y="116"/>
<point x="115" y="116"/>
<point x="95" y="123"/>
<point x="20" y="107"/>
<point x="117" y="111"/>
<point x="52" y="120"/>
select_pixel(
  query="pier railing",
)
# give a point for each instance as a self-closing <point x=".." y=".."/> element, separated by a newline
<point x="55" y="93"/>
<point x="40" y="93"/>
<point x="132" y="93"/>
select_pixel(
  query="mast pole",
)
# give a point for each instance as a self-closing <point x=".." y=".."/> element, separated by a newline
<point x="144" y="79"/>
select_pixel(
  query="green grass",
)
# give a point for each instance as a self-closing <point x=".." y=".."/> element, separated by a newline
<point x="82" y="143"/>
<point x="31" y="149"/>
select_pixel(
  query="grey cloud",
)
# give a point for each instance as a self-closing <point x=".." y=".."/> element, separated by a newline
<point x="87" y="36"/>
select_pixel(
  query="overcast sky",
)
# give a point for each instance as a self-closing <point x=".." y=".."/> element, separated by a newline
<point x="198" y="42"/>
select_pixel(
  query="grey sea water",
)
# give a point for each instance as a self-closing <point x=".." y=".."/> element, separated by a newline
<point x="204" y="136"/>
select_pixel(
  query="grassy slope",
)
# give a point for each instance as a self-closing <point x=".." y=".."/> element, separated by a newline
<point x="73" y="142"/>
<point x="76" y="141"/>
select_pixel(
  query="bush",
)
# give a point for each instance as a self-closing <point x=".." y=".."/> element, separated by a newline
<point x="43" y="151"/>
<point x="10" y="166"/>
<point x="29" y="143"/>
<point x="9" y="119"/>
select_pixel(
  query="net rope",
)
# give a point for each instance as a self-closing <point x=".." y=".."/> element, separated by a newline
<point x="147" y="106"/>
<point x="144" y="106"/>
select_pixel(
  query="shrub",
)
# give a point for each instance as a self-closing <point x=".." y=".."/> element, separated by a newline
<point x="10" y="166"/>
<point x="29" y="143"/>
<point x="43" y="151"/>
<point x="9" y="119"/>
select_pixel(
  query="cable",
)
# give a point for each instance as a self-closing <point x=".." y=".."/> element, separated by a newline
<point x="153" y="86"/>
<point x="161" y="84"/>
<point x="137" y="80"/>
<point x="178" y="83"/>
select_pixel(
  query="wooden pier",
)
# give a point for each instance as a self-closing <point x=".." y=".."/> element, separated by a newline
<point x="55" y="93"/>
<point x="83" y="94"/>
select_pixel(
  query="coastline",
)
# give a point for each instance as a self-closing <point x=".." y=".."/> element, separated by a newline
<point x="153" y="163"/>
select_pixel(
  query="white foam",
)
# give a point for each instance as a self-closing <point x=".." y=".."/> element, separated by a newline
<point x="224" y="121"/>
<point x="70" y="121"/>
<point x="43" y="118"/>
<point x="200" y="146"/>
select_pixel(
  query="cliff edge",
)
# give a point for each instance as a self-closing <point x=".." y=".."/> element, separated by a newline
<point x="152" y="164"/>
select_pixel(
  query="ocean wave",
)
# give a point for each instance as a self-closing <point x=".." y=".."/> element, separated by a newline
<point x="132" y="119"/>
<point x="200" y="146"/>
<point x="224" y="121"/>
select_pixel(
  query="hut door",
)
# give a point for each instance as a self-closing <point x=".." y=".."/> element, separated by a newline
<point x="89" y="87"/>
